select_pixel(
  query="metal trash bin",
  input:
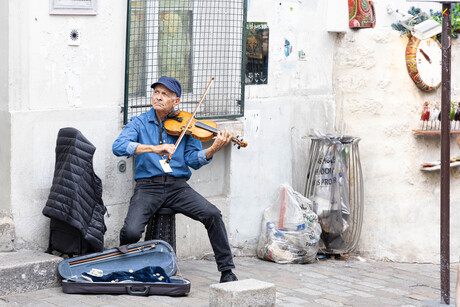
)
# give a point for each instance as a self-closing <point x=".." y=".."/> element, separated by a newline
<point x="335" y="186"/>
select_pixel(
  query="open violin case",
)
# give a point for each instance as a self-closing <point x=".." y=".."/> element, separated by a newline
<point x="144" y="268"/>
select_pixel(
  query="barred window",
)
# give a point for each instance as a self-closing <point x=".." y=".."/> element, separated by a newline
<point x="192" y="41"/>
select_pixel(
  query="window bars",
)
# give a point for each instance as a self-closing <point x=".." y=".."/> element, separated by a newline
<point x="192" y="41"/>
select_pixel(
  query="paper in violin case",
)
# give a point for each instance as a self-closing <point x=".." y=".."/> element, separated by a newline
<point x="144" y="268"/>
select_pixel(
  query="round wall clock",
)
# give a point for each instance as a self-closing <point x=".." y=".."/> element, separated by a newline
<point x="424" y="62"/>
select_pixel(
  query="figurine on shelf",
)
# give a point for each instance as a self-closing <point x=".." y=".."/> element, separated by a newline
<point x="425" y="115"/>
<point x="457" y="117"/>
<point x="434" y="117"/>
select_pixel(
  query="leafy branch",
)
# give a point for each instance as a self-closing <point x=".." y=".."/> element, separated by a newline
<point x="437" y="16"/>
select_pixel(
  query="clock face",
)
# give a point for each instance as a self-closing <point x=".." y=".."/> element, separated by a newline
<point x="424" y="63"/>
<point x="429" y="62"/>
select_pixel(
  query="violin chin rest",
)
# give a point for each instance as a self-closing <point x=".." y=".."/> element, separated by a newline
<point x="173" y="113"/>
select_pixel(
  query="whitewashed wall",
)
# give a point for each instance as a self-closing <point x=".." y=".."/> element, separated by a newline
<point x="297" y="98"/>
<point x="6" y="221"/>
<point x="49" y="85"/>
<point x="53" y="85"/>
<point x="354" y="83"/>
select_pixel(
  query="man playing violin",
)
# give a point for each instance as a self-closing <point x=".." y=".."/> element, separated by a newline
<point x="160" y="184"/>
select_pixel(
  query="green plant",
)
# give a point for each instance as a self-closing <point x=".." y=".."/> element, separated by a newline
<point x="455" y="15"/>
<point x="412" y="11"/>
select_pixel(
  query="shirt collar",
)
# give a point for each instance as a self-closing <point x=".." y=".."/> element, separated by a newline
<point x="152" y="116"/>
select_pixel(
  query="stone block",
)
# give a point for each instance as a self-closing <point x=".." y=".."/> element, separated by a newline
<point x="247" y="292"/>
<point x="25" y="271"/>
<point x="6" y="234"/>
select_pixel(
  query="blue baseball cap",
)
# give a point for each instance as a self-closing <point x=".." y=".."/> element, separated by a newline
<point x="171" y="83"/>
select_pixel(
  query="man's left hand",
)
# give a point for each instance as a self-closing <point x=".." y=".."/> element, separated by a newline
<point x="223" y="137"/>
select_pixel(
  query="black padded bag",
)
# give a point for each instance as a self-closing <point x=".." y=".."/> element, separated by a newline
<point x="66" y="239"/>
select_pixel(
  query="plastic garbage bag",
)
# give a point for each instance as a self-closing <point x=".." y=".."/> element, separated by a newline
<point x="290" y="229"/>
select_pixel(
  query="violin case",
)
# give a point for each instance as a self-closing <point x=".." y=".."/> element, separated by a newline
<point x="126" y="259"/>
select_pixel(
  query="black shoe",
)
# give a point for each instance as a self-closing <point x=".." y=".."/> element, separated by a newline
<point x="228" y="276"/>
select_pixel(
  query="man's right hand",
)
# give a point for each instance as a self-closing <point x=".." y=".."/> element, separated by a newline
<point x="162" y="150"/>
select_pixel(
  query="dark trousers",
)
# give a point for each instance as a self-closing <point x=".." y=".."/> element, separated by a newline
<point x="149" y="196"/>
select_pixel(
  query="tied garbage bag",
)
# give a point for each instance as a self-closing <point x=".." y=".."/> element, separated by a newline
<point x="330" y="189"/>
<point x="290" y="229"/>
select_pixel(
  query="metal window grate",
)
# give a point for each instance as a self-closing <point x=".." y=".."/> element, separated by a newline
<point x="192" y="41"/>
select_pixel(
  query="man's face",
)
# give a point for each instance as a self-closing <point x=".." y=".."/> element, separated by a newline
<point x="164" y="100"/>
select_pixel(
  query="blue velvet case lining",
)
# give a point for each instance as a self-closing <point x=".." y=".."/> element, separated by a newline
<point x="146" y="274"/>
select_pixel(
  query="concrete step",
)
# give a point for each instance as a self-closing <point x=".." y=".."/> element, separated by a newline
<point x="27" y="270"/>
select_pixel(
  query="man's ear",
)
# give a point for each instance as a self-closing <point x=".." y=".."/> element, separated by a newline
<point x="177" y="101"/>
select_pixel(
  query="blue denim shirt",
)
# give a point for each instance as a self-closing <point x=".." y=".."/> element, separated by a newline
<point x="144" y="129"/>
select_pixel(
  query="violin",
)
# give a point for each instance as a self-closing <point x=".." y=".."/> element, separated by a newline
<point x="202" y="130"/>
<point x="194" y="127"/>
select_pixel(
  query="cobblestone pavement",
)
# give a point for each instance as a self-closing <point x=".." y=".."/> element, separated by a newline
<point x="327" y="282"/>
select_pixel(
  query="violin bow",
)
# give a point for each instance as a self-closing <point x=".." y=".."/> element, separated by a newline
<point x="191" y="118"/>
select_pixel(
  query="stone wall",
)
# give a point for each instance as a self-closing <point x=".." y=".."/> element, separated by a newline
<point x="378" y="101"/>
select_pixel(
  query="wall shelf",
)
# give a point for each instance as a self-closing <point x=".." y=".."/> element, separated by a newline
<point x="433" y="132"/>
<point x="438" y="167"/>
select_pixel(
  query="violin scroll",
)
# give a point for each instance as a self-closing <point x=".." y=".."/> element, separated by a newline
<point x="239" y="142"/>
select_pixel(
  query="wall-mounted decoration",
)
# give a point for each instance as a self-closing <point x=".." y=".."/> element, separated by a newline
<point x="302" y="55"/>
<point x="424" y="63"/>
<point x="287" y="48"/>
<point x="74" y="37"/>
<point x="73" y="7"/>
<point x="361" y="14"/>
<point x="257" y="53"/>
